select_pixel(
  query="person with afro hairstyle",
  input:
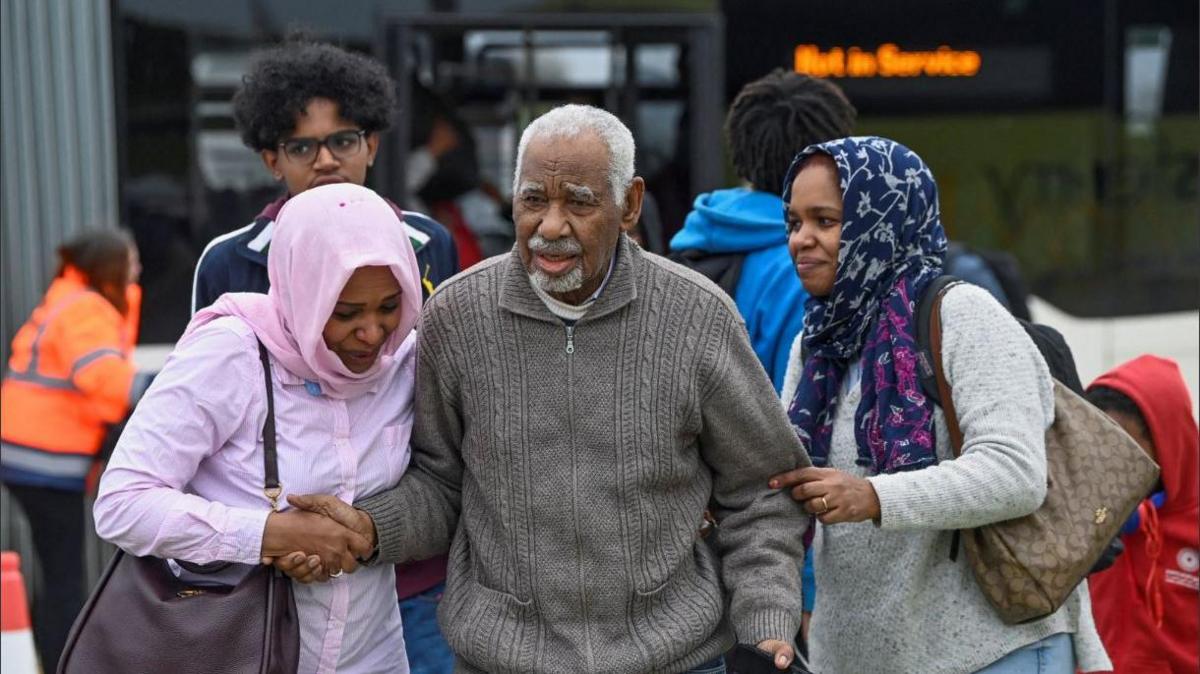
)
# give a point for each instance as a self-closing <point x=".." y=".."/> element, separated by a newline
<point x="737" y="236"/>
<point x="315" y="112"/>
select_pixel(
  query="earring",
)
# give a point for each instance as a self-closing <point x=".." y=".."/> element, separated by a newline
<point x="278" y="176"/>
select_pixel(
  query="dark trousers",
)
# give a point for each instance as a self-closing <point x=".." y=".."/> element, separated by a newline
<point x="56" y="519"/>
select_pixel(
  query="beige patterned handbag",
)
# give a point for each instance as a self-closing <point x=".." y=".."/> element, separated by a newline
<point x="1096" y="476"/>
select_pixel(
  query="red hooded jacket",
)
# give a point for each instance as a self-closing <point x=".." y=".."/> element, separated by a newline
<point x="1147" y="605"/>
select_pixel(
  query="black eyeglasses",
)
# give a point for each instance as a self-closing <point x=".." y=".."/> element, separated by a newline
<point x="342" y="145"/>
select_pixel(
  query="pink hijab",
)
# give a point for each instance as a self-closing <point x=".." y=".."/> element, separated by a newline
<point x="321" y="236"/>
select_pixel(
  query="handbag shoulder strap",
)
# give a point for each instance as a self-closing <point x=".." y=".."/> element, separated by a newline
<point x="943" y="386"/>
<point x="271" y="487"/>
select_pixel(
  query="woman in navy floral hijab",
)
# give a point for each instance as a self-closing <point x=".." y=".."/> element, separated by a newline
<point x="865" y="235"/>
<point x="891" y="247"/>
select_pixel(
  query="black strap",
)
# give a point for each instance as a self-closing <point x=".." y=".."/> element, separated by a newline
<point x="271" y="487"/>
<point x="724" y="269"/>
<point x="925" y="354"/>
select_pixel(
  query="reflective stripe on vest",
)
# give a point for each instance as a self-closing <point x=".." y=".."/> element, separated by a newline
<point x="34" y="378"/>
<point x="45" y="463"/>
<point x="91" y="356"/>
<point x="31" y="374"/>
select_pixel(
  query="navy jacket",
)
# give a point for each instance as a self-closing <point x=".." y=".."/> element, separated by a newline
<point x="237" y="261"/>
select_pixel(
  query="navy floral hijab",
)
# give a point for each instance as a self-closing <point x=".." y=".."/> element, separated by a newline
<point x="892" y="247"/>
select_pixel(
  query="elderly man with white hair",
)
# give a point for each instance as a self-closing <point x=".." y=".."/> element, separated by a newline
<point x="580" y="405"/>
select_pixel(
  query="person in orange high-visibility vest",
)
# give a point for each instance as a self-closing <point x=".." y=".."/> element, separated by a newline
<point x="71" y="375"/>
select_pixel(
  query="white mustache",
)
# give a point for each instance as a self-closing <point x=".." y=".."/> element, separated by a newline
<point x="539" y="244"/>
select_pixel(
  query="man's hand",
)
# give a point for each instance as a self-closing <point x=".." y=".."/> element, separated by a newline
<point x="781" y="649"/>
<point x="830" y="494"/>
<point x="339" y="511"/>
<point x="336" y="546"/>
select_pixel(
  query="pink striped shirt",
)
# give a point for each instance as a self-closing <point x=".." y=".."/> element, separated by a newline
<point x="186" y="479"/>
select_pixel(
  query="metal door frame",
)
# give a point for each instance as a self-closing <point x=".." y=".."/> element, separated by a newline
<point x="705" y="84"/>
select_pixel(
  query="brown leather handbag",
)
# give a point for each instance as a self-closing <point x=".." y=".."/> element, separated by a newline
<point x="1096" y="475"/>
<point x="142" y="618"/>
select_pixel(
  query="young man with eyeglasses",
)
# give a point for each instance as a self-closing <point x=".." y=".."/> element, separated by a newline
<point x="314" y="112"/>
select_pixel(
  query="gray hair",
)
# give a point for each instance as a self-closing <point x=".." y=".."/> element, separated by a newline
<point x="568" y="121"/>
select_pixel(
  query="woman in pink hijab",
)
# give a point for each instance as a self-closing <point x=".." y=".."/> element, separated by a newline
<point x="186" y="480"/>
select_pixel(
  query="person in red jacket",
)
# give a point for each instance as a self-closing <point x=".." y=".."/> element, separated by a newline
<point x="1147" y="605"/>
<point x="71" y="375"/>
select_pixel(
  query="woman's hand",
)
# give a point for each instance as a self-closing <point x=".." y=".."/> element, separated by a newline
<point x="782" y="651"/>
<point x="337" y="547"/>
<point x="300" y="567"/>
<point x="830" y="494"/>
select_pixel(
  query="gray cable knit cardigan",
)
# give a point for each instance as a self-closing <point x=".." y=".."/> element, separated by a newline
<point x="888" y="597"/>
<point x="570" y="469"/>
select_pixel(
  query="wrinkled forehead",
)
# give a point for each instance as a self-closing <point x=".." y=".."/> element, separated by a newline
<point x="581" y="158"/>
<point x="559" y="186"/>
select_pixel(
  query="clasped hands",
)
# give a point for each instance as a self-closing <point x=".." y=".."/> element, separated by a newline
<point x="320" y="538"/>
<point x="324" y="537"/>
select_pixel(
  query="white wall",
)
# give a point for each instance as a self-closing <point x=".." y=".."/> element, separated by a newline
<point x="1099" y="344"/>
<point x="151" y="357"/>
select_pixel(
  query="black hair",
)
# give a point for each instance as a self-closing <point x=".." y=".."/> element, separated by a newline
<point x="282" y="80"/>
<point x="775" y="117"/>
<point x="1112" y="400"/>
<point x="102" y="255"/>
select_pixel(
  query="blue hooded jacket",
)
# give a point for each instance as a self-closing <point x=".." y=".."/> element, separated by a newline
<point x="768" y="295"/>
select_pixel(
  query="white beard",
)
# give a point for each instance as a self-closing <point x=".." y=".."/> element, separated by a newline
<point x="563" y="283"/>
<point x="557" y="285"/>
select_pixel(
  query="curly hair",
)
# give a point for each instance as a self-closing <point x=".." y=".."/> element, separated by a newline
<point x="778" y="115"/>
<point x="282" y="80"/>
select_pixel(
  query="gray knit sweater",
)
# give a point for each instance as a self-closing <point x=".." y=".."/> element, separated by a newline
<point x="888" y="597"/>
<point x="581" y="461"/>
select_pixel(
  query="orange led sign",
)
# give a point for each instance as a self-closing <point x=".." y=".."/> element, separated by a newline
<point x="888" y="60"/>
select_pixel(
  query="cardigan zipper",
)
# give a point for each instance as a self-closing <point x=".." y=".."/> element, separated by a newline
<point x="589" y="657"/>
